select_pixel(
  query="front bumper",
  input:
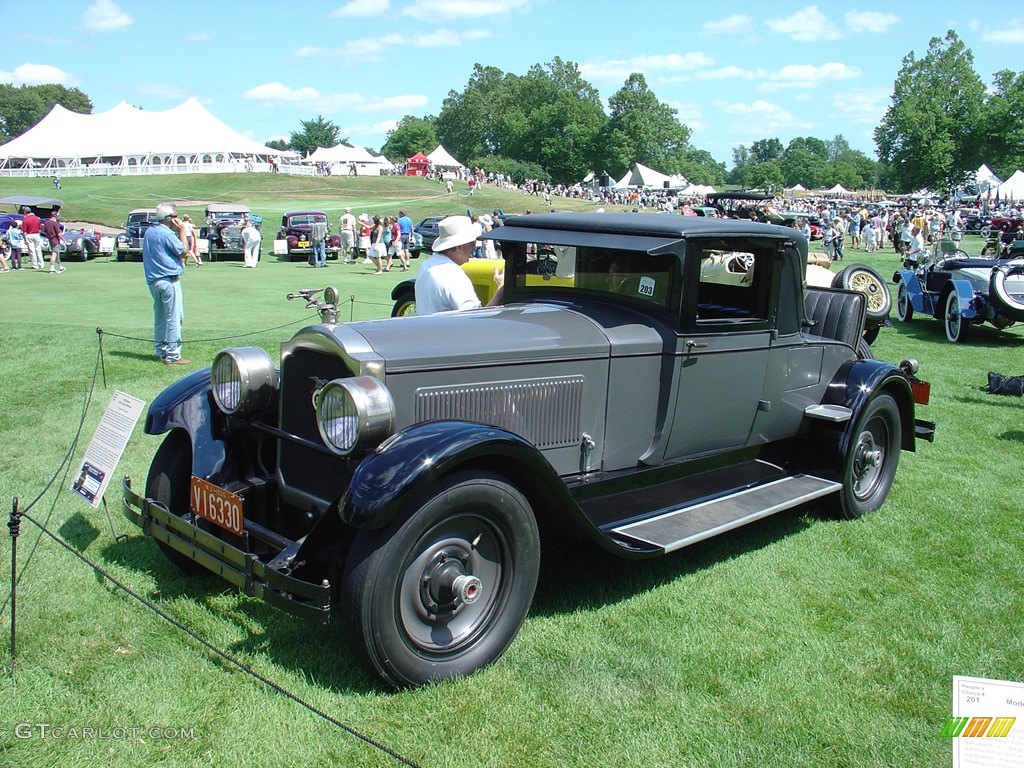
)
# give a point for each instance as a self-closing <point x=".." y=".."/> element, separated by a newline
<point x="237" y="566"/>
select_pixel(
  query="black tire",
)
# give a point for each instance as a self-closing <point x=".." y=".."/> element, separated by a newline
<point x="869" y="465"/>
<point x="864" y="349"/>
<point x="170" y="482"/>
<point x="405" y="304"/>
<point x="858" y="277"/>
<point x="408" y="621"/>
<point x="954" y="325"/>
<point x="904" y="307"/>
<point x="871" y="332"/>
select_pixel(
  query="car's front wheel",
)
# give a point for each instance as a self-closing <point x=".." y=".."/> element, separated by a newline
<point x="872" y="456"/>
<point x="169" y="482"/>
<point x="405" y="304"/>
<point x="443" y="589"/>
<point x="904" y="307"/>
<point x="956" y="326"/>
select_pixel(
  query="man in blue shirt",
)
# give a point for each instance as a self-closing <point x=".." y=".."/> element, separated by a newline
<point x="163" y="261"/>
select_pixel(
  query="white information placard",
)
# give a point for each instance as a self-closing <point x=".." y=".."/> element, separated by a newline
<point x="106" y="447"/>
<point x="987" y="727"/>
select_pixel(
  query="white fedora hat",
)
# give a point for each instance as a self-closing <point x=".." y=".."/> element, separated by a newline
<point x="456" y="230"/>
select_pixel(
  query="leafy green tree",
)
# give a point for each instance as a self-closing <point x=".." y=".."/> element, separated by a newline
<point x="467" y="124"/>
<point x="929" y="134"/>
<point x="643" y="130"/>
<point x="23" y="106"/>
<point x="319" y="132"/>
<point x="1003" y="123"/>
<point x="812" y="144"/>
<point x="411" y="135"/>
<point x="700" y="167"/>
<point x="802" y="166"/>
<point x="742" y="162"/>
<point x="277" y="144"/>
<point x="764" y="150"/>
<point x="767" y="176"/>
<point x="837" y="147"/>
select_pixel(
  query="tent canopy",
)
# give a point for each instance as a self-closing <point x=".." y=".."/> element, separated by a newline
<point x="126" y="131"/>
<point x="441" y="159"/>
<point x="642" y="176"/>
<point x="838" y="189"/>
<point x="1013" y="187"/>
<point x="342" y="153"/>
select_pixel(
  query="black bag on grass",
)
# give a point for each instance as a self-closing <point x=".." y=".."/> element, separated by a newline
<point x="1005" y="385"/>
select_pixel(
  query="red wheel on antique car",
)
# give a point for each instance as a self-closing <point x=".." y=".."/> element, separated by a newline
<point x="904" y="307"/>
<point x="955" y="325"/>
<point x="169" y="482"/>
<point x="872" y="456"/>
<point x="443" y="589"/>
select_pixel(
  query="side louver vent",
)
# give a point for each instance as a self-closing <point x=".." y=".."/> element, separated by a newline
<point x="544" y="411"/>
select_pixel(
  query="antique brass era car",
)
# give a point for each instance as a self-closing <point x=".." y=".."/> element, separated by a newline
<point x="398" y="476"/>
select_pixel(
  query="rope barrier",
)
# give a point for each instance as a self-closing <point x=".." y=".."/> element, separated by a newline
<point x="14" y="528"/>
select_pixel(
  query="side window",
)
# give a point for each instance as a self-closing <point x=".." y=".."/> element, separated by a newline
<point x="733" y="282"/>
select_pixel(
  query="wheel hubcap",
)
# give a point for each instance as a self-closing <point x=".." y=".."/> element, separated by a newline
<point x="867" y="464"/>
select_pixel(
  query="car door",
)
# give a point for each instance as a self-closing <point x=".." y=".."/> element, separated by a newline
<point x="723" y="346"/>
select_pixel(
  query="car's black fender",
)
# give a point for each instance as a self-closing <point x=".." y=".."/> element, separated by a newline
<point x="404" y="287"/>
<point x="856" y="382"/>
<point x="413" y="459"/>
<point x="186" y="405"/>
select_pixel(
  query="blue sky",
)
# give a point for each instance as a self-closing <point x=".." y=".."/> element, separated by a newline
<point x="736" y="72"/>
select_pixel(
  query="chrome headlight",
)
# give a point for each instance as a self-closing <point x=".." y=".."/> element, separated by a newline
<point x="243" y="379"/>
<point x="354" y="415"/>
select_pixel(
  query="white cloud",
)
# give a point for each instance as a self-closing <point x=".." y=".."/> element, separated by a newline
<point x="725" y="73"/>
<point x="809" y="76"/>
<point x="736" y="24"/>
<point x="361" y="8"/>
<point x="806" y="25"/>
<point x="689" y="115"/>
<point x="37" y="74"/>
<point x="870" y="21"/>
<point x="278" y="93"/>
<point x="1011" y="32"/>
<point x="275" y="94"/>
<point x="617" y="70"/>
<point x="766" y="116"/>
<point x="106" y="15"/>
<point x="862" y="105"/>
<point x="197" y="37"/>
<point x="374" y="48"/>
<point x="446" y="10"/>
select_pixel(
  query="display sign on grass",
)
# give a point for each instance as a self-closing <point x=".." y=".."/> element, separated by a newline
<point x="106" y="447"/>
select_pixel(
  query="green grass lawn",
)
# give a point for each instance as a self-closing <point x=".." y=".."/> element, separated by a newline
<point x="799" y="641"/>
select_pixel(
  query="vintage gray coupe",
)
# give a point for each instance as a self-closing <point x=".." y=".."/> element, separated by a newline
<point x="399" y="476"/>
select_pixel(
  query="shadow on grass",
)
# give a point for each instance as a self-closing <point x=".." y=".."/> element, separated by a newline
<point x="578" y="575"/>
<point x="927" y="328"/>
<point x="319" y="652"/>
<point x="143" y="356"/>
<point x="1013" y="436"/>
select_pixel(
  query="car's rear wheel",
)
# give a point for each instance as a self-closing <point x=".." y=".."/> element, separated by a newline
<point x="904" y="307"/>
<point x="169" y="482"/>
<point x="405" y="304"/>
<point x="872" y="456"/>
<point x="954" y="323"/>
<point x="443" y="588"/>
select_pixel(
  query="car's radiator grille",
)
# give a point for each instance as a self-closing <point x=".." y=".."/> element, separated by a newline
<point x="302" y="372"/>
<point x="547" y="412"/>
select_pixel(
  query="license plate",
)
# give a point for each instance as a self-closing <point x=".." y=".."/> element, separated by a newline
<point x="219" y="506"/>
<point x="303" y="244"/>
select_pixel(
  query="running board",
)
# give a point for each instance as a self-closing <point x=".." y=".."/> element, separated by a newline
<point x="674" y="529"/>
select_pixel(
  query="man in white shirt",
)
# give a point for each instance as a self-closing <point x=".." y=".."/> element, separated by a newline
<point x="251" y="239"/>
<point x="441" y="285"/>
<point x="347" y="230"/>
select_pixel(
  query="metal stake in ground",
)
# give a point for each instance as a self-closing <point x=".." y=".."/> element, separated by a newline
<point x="14" y="526"/>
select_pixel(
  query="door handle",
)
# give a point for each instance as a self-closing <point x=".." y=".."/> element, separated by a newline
<point x="691" y="344"/>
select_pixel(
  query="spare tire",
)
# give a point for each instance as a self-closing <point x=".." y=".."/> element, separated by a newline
<point x="1010" y="304"/>
<point x="859" y="277"/>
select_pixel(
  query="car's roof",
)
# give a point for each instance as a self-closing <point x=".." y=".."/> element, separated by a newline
<point x="227" y="208"/>
<point x="305" y="213"/>
<point x="141" y="210"/>
<point x="649" y="230"/>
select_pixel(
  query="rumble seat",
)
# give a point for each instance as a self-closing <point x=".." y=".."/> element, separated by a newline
<point x="835" y="314"/>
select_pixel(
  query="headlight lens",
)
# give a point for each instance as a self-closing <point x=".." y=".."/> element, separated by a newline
<point x="243" y="379"/>
<point x="354" y="415"/>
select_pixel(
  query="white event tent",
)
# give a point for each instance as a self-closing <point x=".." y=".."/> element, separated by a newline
<point x="358" y="157"/>
<point x="642" y="176"/>
<point x="1013" y="187"/>
<point x="128" y="140"/>
<point x="985" y="178"/>
<point x="440" y="158"/>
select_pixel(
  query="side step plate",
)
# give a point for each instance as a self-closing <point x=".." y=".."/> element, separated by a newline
<point x="673" y="529"/>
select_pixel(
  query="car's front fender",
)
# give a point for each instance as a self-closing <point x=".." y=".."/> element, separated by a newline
<point x="186" y="404"/>
<point x="410" y="461"/>
<point x="857" y="382"/>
